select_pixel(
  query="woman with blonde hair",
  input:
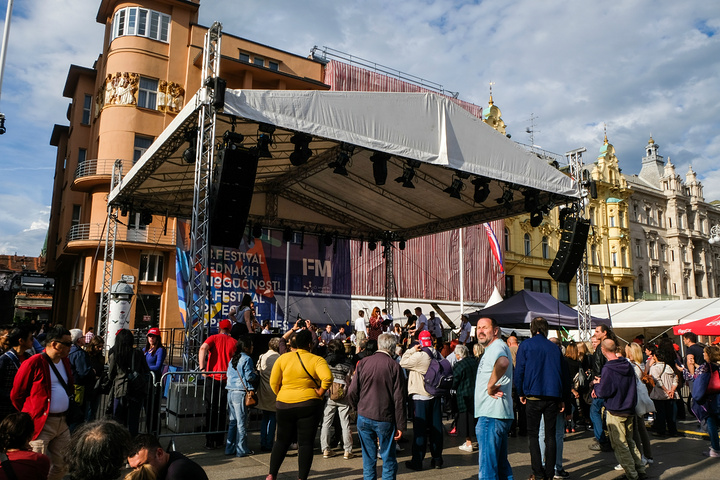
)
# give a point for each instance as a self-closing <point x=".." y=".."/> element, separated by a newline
<point x="634" y="354"/>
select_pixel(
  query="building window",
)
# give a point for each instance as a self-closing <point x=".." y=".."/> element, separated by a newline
<point x="613" y="294"/>
<point x="651" y="246"/>
<point x="641" y="283"/>
<point x="660" y="218"/>
<point x="147" y="93"/>
<point x="621" y="219"/>
<point x="527" y="244"/>
<point x="594" y="294"/>
<point x="592" y="215"/>
<point x="244" y="57"/>
<point x="624" y="294"/>
<point x="141" y="22"/>
<point x="683" y="254"/>
<point x="141" y="145"/>
<point x="509" y="286"/>
<point x="506" y="239"/>
<point x="623" y="257"/>
<point x="260" y="62"/>
<point x="545" y="248"/>
<point x="78" y="273"/>
<point x="75" y="220"/>
<point x="87" y="110"/>
<point x="82" y="156"/>
<point x="669" y="222"/>
<point x="273" y="65"/>
<point x="663" y="252"/>
<point x="151" y="268"/>
<point x="537" y="285"/>
<point x="635" y="213"/>
<point x="593" y="255"/>
<point x="672" y="255"/>
<point x="638" y="249"/>
<point x="564" y="292"/>
<point x="613" y="255"/>
<point x="612" y="221"/>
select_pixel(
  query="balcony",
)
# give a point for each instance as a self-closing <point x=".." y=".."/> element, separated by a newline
<point x="86" y="235"/>
<point x="92" y="173"/>
<point x="699" y="268"/>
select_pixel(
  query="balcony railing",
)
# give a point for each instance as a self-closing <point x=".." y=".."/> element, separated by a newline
<point x="96" y="232"/>
<point x="655" y="296"/>
<point x="99" y="166"/>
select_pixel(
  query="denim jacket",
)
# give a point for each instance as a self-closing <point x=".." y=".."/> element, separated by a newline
<point x="245" y="368"/>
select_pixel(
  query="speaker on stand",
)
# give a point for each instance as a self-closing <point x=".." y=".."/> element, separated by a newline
<point x="573" y="242"/>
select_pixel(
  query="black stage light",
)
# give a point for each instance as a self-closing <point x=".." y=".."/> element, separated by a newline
<point x="482" y="189"/>
<point x="263" y="146"/>
<point x="145" y="218"/>
<point x="257" y="230"/>
<point x="532" y="199"/>
<point x="287" y="235"/>
<point x="401" y="244"/>
<point x="380" y="172"/>
<point x="536" y="218"/>
<point x="455" y="188"/>
<point x="190" y="153"/>
<point x="372" y="245"/>
<point x="302" y="152"/>
<point x="506" y="198"/>
<point x="218" y="85"/>
<point x="408" y="174"/>
<point x="342" y="159"/>
<point x="232" y="139"/>
<point x="328" y="239"/>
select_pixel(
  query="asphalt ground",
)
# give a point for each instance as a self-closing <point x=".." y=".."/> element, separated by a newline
<point x="675" y="458"/>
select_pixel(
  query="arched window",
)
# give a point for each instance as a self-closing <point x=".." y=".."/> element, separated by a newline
<point x="528" y="246"/>
<point x="506" y="239"/>
<point x="545" y="248"/>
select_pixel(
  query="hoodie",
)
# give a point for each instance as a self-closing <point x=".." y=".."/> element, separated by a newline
<point x="617" y="386"/>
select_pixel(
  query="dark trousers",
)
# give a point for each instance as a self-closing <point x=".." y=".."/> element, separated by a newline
<point x="216" y="411"/>
<point x="666" y="412"/>
<point x="537" y="411"/>
<point x="466" y="421"/>
<point x="126" y="411"/>
<point x="301" y="423"/>
<point x="152" y="409"/>
<point x="519" y="424"/>
<point x="428" y="417"/>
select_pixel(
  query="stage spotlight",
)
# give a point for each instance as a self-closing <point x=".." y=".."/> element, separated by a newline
<point x="482" y="189"/>
<point x="190" y="153"/>
<point x="532" y="199"/>
<point x="328" y="239"/>
<point x="536" y="218"/>
<point x="218" y="85"/>
<point x="401" y="244"/>
<point x="408" y="174"/>
<point x="372" y="245"/>
<point x="287" y="235"/>
<point x="257" y="230"/>
<point x="302" y="152"/>
<point x="455" y="188"/>
<point x="145" y="218"/>
<point x="232" y="140"/>
<point x="506" y="198"/>
<point x="124" y="210"/>
<point x="342" y="159"/>
<point x="380" y="160"/>
<point x="264" y="140"/>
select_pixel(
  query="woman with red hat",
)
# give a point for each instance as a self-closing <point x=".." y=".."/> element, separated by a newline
<point x="155" y="357"/>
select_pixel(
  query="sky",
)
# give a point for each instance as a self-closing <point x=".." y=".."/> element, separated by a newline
<point x="634" y="68"/>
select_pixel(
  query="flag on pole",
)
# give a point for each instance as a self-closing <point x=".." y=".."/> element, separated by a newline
<point x="494" y="246"/>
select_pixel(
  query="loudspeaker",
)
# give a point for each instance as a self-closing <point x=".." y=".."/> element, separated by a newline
<point x="231" y="202"/>
<point x="572" y="247"/>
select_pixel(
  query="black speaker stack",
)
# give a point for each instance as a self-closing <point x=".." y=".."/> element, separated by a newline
<point x="573" y="242"/>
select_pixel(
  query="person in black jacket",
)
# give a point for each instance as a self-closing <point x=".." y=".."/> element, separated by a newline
<point x="126" y="362"/>
<point x="598" y="361"/>
<point x="82" y="370"/>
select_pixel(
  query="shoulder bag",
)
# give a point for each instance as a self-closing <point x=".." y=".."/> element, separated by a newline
<point x="74" y="412"/>
<point x="251" y="398"/>
<point x="306" y="371"/>
<point x="713" y="387"/>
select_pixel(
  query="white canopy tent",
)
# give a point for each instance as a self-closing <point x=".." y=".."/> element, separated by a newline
<point x="429" y="128"/>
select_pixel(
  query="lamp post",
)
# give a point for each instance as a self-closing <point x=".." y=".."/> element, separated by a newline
<point x="714" y="235"/>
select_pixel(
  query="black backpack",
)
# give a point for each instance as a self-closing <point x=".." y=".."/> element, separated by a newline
<point x="439" y="376"/>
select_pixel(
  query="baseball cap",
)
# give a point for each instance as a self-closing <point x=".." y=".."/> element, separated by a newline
<point x="154" y="331"/>
<point x="425" y="338"/>
<point x="225" y="324"/>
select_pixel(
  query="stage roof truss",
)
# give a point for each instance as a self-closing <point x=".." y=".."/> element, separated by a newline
<point x="444" y="142"/>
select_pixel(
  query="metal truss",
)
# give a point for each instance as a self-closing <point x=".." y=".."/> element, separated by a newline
<point x="109" y="256"/>
<point x="389" y="277"/>
<point x="196" y="328"/>
<point x="582" y="282"/>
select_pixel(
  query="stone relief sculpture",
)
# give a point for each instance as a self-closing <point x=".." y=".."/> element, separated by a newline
<point x="121" y="89"/>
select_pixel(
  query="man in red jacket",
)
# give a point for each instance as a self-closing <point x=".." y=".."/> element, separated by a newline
<point x="38" y="392"/>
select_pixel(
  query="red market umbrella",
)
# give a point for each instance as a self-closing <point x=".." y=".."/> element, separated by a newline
<point x="706" y="326"/>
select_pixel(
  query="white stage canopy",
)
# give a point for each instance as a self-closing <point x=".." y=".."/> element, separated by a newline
<point x="425" y="127"/>
<point x="661" y="313"/>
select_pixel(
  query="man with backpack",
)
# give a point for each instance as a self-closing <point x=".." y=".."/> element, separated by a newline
<point x="429" y="379"/>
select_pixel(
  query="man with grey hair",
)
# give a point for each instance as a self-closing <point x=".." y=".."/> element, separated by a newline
<point x="377" y="392"/>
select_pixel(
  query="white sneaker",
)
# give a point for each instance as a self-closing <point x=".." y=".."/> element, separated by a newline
<point x="618" y="467"/>
<point x="466" y="448"/>
<point x="328" y="453"/>
<point x="649" y="461"/>
<point x="712" y="453"/>
<point x="644" y="461"/>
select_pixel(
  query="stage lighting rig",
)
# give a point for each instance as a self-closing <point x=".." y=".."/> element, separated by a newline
<point x="455" y="187"/>
<point x="482" y="189"/>
<point x="190" y="153"/>
<point x="380" y="160"/>
<point x="408" y="174"/>
<point x="264" y="140"/>
<point x="302" y="151"/>
<point x="339" y="166"/>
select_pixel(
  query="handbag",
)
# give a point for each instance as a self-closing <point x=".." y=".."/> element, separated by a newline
<point x="648" y="381"/>
<point x="251" y="398"/>
<point x="713" y="387"/>
<point x="74" y="413"/>
<point x="644" y="404"/>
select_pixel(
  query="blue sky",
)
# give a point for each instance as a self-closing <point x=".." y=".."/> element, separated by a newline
<point x="641" y="67"/>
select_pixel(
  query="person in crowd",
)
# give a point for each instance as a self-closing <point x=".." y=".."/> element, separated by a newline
<point x="215" y="354"/>
<point x="427" y="408"/>
<point x="341" y="334"/>
<point x="421" y="324"/>
<point x="710" y="401"/>
<point x="155" y="354"/>
<point x="144" y="472"/>
<point x="241" y="377"/>
<point x="299" y="379"/>
<point x="664" y="393"/>
<point x="493" y="402"/>
<point x="82" y="371"/>
<point x="692" y="347"/>
<point x="244" y="316"/>
<point x="98" y="450"/>
<point x="38" y="390"/>
<point x="464" y="374"/>
<point x="435" y="325"/>
<point x="89" y="334"/>
<point x="360" y="325"/>
<point x="578" y="382"/>
<point x="387" y="321"/>
<point x="16" y="431"/>
<point x="146" y="450"/>
<point x="266" y="397"/>
<point x="327" y="335"/>
<point x="266" y="328"/>
<point x="377" y="392"/>
<point x="126" y="361"/>
<point x="341" y="370"/>
<point x="617" y="385"/>
<point x="465" y="330"/>
<point x="633" y="352"/>
<point x="538" y="378"/>
<point x="4" y="343"/>
<point x="96" y="357"/>
<point x="375" y="324"/>
<point x="585" y="357"/>
<point x="601" y="443"/>
<point x="19" y="340"/>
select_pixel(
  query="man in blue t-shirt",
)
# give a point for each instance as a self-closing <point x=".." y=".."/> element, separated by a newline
<point x="493" y="402"/>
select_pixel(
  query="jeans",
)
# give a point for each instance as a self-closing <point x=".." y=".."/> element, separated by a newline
<point x="666" y="412"/>
<point x="559" y="441"/>
<point x="428" y="416"/>
<point x="292" y="423"/>
<point x="492" y="436"/>
<point x="542" y="410"/>
<point x="597" y="420"/>
<point x="267" y="430"/>
<point x="344" y="412"/>
<point x="237" y="439"/>
<point x="372" y="432"/>
<point x="712" y="428"/>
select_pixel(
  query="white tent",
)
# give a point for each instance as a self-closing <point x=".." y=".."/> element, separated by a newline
<point x="425" y="127"/>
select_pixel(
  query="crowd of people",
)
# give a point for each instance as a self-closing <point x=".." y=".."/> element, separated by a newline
<point x="382" y="376"/>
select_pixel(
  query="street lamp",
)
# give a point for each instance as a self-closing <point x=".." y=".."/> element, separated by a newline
<point x="714" y="235"/>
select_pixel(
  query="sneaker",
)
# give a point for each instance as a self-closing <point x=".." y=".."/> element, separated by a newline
<point x="618" y="467"/>
<point x="649" y="461"/>
<point x="712" y="453"/>
<point x="293" y="446"/>
<point x="560" y="474"/>
<point x="348" y="455"/>
<point x="643" y="461"/>
<point x="327" y="453"/>
<point x="466" y="448"/>
<point x="595" y="446"/>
